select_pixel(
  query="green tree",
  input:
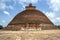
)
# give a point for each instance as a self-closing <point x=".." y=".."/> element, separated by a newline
<point x="1" y="27"/>
<point x="58" y="26"/>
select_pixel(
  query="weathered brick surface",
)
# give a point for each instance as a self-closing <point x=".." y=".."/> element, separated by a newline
<point x="29" y="18"/>
<point x="30" y="35"/>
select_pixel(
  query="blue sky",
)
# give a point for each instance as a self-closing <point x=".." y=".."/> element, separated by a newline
<point x="10" y="8"/>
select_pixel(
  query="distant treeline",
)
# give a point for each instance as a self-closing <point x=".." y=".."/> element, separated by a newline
<point x="1" y="27"/>
<point x="58" y="26"/>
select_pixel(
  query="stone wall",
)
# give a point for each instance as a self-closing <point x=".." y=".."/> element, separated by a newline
<point x="30" y="35"/>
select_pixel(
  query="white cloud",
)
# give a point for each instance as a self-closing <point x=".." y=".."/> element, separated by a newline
<point x="53" y="17"/>
<point x="23" y="5"/>
<point x="3" y="21"/>
<point x="11" y="7"/>
<point x="22" y="2"/>
<point x="29" y="1"/>
<point x="2" y="6"/>
<point x="7" y="13"/>
<point x="50" y="14"/>
<point x="14" y="2"/>
<point x="7" y="0"/>
<point x="58" y="19"/>
<point x="54" y="5"/>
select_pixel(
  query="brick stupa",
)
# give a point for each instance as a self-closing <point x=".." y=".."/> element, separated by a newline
<point x="30" y="18"/>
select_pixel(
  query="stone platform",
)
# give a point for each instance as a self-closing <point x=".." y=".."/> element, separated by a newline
<point x="30" y="35"/>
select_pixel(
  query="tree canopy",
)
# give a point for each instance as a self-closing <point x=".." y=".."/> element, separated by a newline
<point x="58" y="26"/>
<point x="1" y="27"/>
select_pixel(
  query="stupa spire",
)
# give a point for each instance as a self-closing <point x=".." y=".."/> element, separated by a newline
<point x="30" y="4"/>
<point x="30" y="7"/>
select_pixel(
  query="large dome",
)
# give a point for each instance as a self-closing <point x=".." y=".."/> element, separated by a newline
<point x="30" y="16"/>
